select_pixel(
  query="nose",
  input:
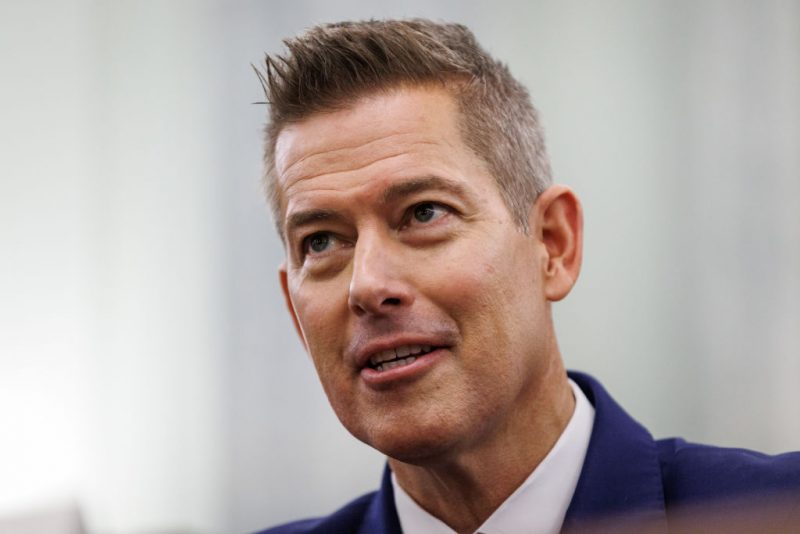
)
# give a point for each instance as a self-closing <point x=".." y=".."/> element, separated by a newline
<point x="377" y="286"/>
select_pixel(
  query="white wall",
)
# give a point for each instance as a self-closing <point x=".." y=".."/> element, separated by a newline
<point x="46" y="254"/>
<point x="148" y="371"/>
<point x="113" y="324"/>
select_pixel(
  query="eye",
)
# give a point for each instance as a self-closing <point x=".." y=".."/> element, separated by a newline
<point x="426" y="212"/>
<point x="317" y="243"/>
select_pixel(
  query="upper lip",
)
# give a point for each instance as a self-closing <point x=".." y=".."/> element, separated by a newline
<point x="362" y="354"/>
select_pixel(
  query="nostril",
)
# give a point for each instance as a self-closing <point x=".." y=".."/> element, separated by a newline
<point x="392" y="301"/>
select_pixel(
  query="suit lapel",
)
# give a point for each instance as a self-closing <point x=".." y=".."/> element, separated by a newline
<point x="381" y="516"/>
<point x="620" y="487"/>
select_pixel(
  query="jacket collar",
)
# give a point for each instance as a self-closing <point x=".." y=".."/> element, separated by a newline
<point x="620" y="487"/>
<point x="381" y="516"/>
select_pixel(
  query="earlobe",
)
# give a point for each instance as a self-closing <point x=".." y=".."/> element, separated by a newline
<point x="289" y="305"/>
<point x="560" y="229"/>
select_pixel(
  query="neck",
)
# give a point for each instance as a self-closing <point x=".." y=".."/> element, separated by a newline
<point x="464" y="488"/>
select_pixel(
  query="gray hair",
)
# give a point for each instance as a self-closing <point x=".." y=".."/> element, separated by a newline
<point x="329" y="66"/>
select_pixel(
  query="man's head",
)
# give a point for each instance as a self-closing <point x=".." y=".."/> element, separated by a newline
<point x="424" y="307"/>
<point x="330" y="66"/>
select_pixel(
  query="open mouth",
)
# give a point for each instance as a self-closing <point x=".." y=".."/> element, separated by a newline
<point x="398" y="356"/>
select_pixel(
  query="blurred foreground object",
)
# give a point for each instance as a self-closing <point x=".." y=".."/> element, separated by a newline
<point x="56" y="520"/>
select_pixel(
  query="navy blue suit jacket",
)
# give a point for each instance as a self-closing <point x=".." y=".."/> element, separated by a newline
<point x="633" y="483"/>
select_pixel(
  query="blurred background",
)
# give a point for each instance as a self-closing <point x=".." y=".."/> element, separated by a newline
<point x="150" y="380"/>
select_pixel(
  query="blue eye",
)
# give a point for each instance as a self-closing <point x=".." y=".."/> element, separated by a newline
<point x="424" y="212"/>
<point x="317" y="243"/>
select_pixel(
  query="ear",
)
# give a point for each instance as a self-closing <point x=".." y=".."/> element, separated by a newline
<point x="559" y="226"/>
<point x="288" y="299"/>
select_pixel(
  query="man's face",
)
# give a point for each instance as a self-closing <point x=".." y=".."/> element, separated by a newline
<point x="416" y="295"/>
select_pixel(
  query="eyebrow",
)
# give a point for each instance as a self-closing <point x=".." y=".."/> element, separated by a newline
<point x="391" y="194"/>
<point x="417" y="185"/>
<point x="303" y="218"/>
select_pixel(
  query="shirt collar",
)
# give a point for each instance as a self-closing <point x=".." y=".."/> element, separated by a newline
<point x="540" y="503"/>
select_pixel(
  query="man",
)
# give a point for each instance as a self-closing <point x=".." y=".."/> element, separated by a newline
<point x="424" y="244"/>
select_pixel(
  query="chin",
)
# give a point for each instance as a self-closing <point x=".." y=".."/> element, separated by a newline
<point x="413" y="444"/>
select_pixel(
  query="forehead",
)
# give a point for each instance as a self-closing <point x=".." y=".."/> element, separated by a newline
<point x="406" y="125"/>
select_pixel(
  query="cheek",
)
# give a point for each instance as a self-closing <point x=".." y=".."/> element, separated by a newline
<point x="469" y="289"/>
<point x="494" y="296"/>
<point x="322" y="315"/>
<point x="492" y="273"/>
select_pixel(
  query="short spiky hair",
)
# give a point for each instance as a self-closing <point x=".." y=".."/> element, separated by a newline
<point x="331" y="65"/>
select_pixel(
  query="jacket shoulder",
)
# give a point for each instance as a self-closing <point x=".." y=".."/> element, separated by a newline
<point x="695" y="473"/>
<point x="347" y="519"/>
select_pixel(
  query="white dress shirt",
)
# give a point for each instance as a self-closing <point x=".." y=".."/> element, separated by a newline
<point x="539" y="505"/>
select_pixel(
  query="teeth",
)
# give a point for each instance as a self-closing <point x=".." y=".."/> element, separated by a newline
<point x="395" y="363"/>
<point x="384" y="356"/>
<point x="389" y="358"/>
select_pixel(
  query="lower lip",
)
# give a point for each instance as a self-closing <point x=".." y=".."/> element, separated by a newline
<point x="377" y="379"/>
